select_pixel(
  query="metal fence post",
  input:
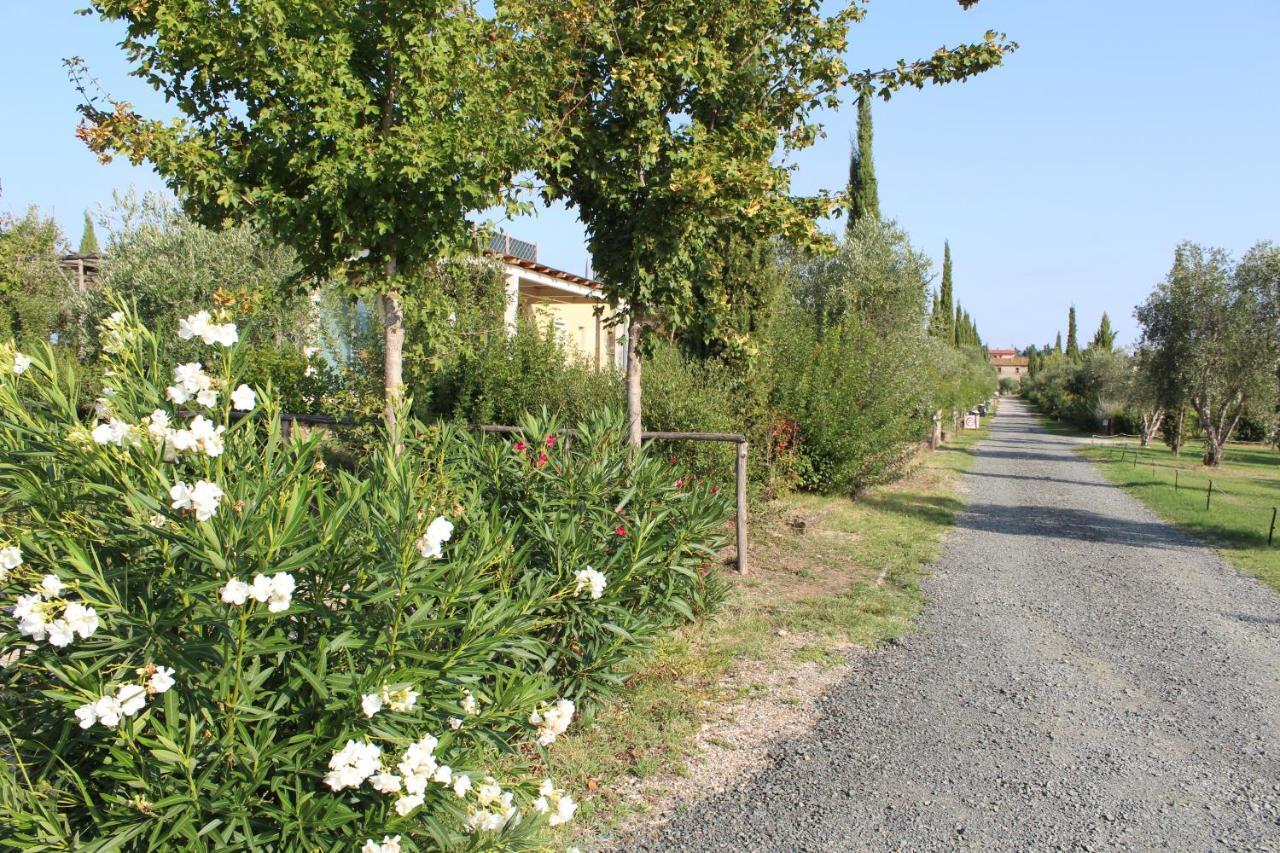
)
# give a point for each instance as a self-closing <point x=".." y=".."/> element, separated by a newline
<point x="742" y="507"/>
<point x="1272" y="532"/>
<point x="1175" y="479"/>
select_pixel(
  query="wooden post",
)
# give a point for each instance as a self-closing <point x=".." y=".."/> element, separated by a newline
<point x="1175" y="479"/>
<point x="1208" y="496"/>
<point x="1272" y="532"/>
<point x="742" y="507"/>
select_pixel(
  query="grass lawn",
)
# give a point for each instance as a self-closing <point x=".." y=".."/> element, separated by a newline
<point x="1245" y="489"/>
<point x="828" y="574"/>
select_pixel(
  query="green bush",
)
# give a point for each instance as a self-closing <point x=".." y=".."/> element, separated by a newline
<point x="220" y="643"/>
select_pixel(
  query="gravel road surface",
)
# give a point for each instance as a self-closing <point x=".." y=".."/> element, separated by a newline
<point x="1085" y="677"/>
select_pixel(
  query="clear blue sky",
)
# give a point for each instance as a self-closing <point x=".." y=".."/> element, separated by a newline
<point x="1120" y="128"/>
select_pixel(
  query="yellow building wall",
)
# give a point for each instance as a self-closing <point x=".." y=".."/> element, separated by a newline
<point x="585" y="336"/>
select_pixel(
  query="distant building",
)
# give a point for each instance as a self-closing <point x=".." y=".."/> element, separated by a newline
<point x="573" y="305"/>
<point x="1008" y="363"/>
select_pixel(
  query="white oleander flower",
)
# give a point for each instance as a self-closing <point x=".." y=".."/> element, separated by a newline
<point x="60" y="633"/>
<point x="204" y="435"/>
<point x="87" y="715"/>
<point x="202" y="498"/>
<point x="114" y="431"/>
<point x="390" y="844"/>
<point x="236" y="592"/>
<point x="83" y="620"/>
<point x="552" y="721"/>
<point x="222" y="333"/>
<point x="183" y="440"/>
<point x="461" y="784"/>
<point x="157" y="520"/>
<point x="132" y="699"/>
<point x="371" y="703"/>
<point x="385" y="783"/>
<point x="107" y="709"/>
<point x="404" y="805"/>
<point x="161" y="680"/>
<point x="591" y="579"/>
<point x="195" y="326"/>
<point x="431" y="543"/>
<point x="10" y="559"/>
<point x="158" y="424"/>
<point x="51" y="586"/>
<point x="207" y="397"/>
<point x="469" y="703"/>
<point x="243" y="399"/>
<point x="351" y="765"/>
<point x="177" y="394"/>
<point x="455" y="723"/>
<point x="276" y="591"/>
<point x="443" y="774"/>
<point x="20" y="363"/>
<point x="401" y="701"/>
<point x="415" y="784"/>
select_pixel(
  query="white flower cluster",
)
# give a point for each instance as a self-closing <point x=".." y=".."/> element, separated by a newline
<point x="359" y="762"/>
<point x="495" y="807"/>
<point x="469" y="703"/>
<point x="20" y="363"/>
<point x="200" y="435"/>
<point x="10" y="559"/>
<point x="201" y="498"/>
<point x="276" y="591"/>
<point x="38" y="614"/>
<point x="431" y="543"/>
<point x="552" y="720"/>
<point x="390" y="844"/>
<point x="400" y="700"/>
<point x="555" y="803"/>
<point x="200" y="325"/>
<point x="128" y="700"/>
<point x="190" y="381"/>
<point x="591" y="579"/>
<point x="113" y="431"/>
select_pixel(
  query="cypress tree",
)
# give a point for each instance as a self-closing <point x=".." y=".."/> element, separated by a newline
<point x="1105" y="337"/>
<point x="1073" y="345"/>
<point x="88" y="239"/>
<point x="1057" y="344"/>
<point x="946" y="329"/>
<point x="864" y="192"/>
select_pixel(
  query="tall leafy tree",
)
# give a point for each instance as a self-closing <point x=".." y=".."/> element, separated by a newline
<point x="1209" y="333"/>
<point x="1105" y="337"/>
<point x="1073" y="345"/>
<point x="360" y="134"/>
<point x="864" y="191"/>
<point x="88" y="237"/>
<point x="677" y="120"/>
<point x="1057" y="344"/>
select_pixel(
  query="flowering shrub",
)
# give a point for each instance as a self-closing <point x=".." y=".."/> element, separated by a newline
<point x="627" y="542"/>
<point x="208" y="640"/>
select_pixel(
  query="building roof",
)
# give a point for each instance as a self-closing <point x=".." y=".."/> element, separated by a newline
<point x="1002" y="353"/>
<point x="1011" y="361"/>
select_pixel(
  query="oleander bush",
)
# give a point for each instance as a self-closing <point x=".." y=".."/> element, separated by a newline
<point x="212" y="640"/>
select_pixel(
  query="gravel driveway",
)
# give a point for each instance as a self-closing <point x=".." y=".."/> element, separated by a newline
<point x="1084" y="677"/>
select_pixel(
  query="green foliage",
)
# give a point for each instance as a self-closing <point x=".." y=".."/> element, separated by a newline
<point x="235" y="754"/>
<point x="1073" y="346"/>
<point x="1212" y="337"/>
<point x="1105" y="337"/>
<point x="34" y="295"/>
<point x="941" y="322"/>
<point x="89" y="237"/>
<point x="864" y="191"/>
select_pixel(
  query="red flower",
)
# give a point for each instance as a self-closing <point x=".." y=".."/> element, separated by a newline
<point x="519" y="447"/>
<point x="542" y="459"/>
<point x="715" y="490"/>
<point x="679" y="484"/>
<point x="621" y="531"/>
<point x="551" y="441"/>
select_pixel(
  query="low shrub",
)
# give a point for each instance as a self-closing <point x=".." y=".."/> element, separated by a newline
<point x="212" y="640"/>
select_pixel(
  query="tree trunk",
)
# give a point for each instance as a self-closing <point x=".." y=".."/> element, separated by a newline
<point x="1177" y="433"/>
<point x="393" y="339"/>
<point x="1151" y="425"/>
<point x="634" y="423"/>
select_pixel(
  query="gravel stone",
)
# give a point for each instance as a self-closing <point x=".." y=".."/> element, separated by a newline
<point x="1085" y="677"/>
